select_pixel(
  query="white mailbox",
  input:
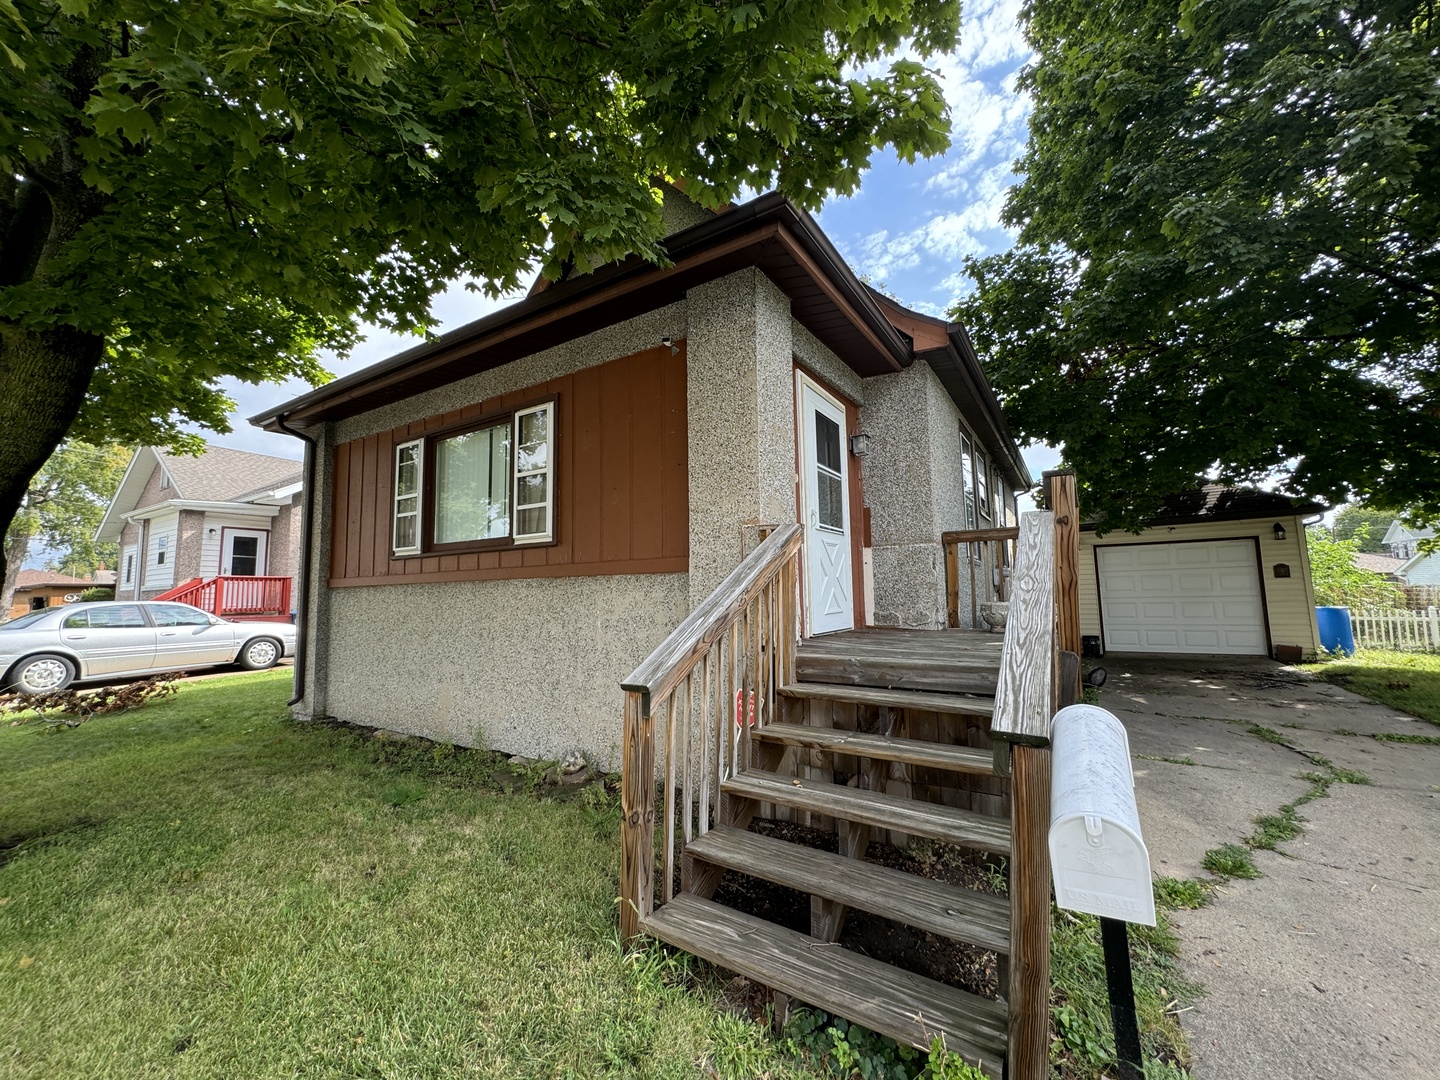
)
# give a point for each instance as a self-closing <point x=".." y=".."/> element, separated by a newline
<point x="1097" y="854"/>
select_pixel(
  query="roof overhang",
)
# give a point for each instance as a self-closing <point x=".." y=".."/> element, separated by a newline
<point x="240" y="509"/>
<point x="1276" y="506"/>
<point x="769" y="233"/>
<point x="127" y="494"/>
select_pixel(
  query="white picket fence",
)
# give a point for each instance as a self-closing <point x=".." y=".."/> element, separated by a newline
<point x="1397" y="629"/>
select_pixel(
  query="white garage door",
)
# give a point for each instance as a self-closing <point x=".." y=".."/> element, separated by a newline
<point x="1188" y="598"/>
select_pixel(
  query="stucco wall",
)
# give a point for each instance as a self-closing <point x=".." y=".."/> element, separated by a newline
<point x="741" y="406"/>
<point x="912" y="486"/>
<point x="525" y="666"/>
<point x="1290" y="601"/>
<point x="188" y="546"/>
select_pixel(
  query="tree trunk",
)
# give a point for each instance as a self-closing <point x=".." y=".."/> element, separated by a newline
<point x="12" y="557"/>
<point x="43" y="378"/>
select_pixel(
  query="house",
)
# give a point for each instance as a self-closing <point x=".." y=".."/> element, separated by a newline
<point x="1219" y="570"/>
<point x="219" y="530"/>
<point x="1417" y="567"/>
<point x="36" y="590"/>
<point x="508" y="518"/>
<point x="1384" y="565"/>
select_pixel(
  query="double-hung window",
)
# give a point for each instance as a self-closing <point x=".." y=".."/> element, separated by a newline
<point x="489" y="485"/>
<point x="982" y="486"/>
<point x="967" y="479"/>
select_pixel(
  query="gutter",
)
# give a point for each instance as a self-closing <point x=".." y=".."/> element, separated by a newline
<point x="302" y="599"/>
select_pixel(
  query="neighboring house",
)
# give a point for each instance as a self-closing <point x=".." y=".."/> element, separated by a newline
<point x="220" y="530"/>
<point x="1417" y="567"/>
<point x="1384" y="565"/>
<point x="39" y="589"/>
<point x="509" y="518"/>
<point x="1217" y="571"/>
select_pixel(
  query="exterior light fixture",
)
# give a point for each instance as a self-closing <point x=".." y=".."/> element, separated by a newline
<point x="1279" y="531"/>
<point x="859" y="444"/>
<point x="669" y="343"/>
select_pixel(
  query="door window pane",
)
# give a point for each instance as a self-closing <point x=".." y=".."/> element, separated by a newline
<point x="78" y="621"/>
<point x="116" y="616"/>
<point x="178" y="615"/>
<point x="472" y="486"/>
<point x="827" y="442"/>
<point x="244" y="555"/>
<point x="829" y="487"/>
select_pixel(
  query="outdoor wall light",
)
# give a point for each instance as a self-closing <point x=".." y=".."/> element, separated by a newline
<point x="212" y="532"/>
<point x="669" y="343"/>
<point x="859" y="444"/>
<point x="1279" y="531"/>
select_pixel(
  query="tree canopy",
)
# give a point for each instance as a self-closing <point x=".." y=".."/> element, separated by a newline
<point x="63" y="506"/>
<point x="210" y="188"/>
<point x="1365" y="524"/>
<point x="1228" y="263"/>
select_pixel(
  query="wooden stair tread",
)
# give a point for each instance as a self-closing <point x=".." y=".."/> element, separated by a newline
<point x="895" y="699"/>
<point x="909" y="1008"/>
<point x="899" y="671"/>
<point x="944" y="823"/>
<point x="937" y="906"/>
<point x="934" y="755"/>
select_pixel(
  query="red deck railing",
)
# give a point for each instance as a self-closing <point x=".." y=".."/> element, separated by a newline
<point x="235" y="597"/>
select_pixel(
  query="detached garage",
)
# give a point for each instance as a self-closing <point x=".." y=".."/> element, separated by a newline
<point x="1221" y="571"/>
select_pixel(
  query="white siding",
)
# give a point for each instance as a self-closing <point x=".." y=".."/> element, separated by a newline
<point x="1425" y="572"/>
<point x="161" y="575"/>
<point x="210" y="542"/>
<point x="1289" y="602"/>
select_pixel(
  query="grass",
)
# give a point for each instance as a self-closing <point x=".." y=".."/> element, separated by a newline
<point x="1419" y="740"/>
<point x="1270" y="735"/>
<point x="1084" y="1043"/>
<point x="1231" y="861"/>
<point x="1408" y="681"/>
<point x="202" y="888"/>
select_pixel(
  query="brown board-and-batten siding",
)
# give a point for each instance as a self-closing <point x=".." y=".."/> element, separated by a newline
<point x="621" y="483"/>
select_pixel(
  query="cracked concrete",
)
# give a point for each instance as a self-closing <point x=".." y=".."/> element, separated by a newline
<point x="1326" y="966"/>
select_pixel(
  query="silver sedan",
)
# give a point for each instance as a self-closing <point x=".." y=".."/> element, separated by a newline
<point x="47" y="650"/>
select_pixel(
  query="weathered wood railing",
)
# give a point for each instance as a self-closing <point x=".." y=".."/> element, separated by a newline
<point x="689" y="708"/>
<point x="1039" y="672"/>
<point x="978" y="567"/>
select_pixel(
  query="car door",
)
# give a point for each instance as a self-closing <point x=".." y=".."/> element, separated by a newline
<point x="110" y="639"/>
<point x="186" y="636"/>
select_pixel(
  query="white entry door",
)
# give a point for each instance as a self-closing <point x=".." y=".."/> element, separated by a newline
<point x="1201" y="597"/>
<point x="243" y="553"/>
<point x="829" y="596"/>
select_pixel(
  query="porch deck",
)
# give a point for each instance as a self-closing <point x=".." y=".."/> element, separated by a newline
<point x="938" y="661"/>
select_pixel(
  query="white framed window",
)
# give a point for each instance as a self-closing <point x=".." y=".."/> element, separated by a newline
<point x="967" y="479"/>
<point x="534" y="487"/>
<point x="982" y="486"/>
<point x="405" y="531"/>
<point x="162" y="545"/>
<point x="486" y="486"/>
<point x="128" y="578"/>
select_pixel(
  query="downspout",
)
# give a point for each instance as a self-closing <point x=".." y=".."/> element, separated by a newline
<point x="302" y="600"/>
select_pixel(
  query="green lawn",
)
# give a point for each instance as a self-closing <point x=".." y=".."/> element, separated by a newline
<point x="1408" y="681"/>
<point x="203" y="889"/>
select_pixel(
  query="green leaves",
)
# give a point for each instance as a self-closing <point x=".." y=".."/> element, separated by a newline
<point x="1229" y="250"/>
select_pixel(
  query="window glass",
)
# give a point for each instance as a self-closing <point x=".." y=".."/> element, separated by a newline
<point x="129" y="568"/>
<point x="22" y="621"/>
<point x="115" y="616"/>
<point x="828" y="484"/>
<point x="982" y="486"/>
<point x="967" y="480"/>
<point x="76" y="621"/>
<point x="472" y="486"/>
<point x="532" y="473"/>
<point x="407" y="497"/>
<point x="178" y="615"/>
<point x="162" y="543"/>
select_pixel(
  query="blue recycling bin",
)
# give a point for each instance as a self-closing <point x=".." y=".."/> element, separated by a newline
<point x="1336" y="634"/>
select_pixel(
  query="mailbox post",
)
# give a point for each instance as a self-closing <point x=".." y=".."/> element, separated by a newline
<point x="1097" y="854"/>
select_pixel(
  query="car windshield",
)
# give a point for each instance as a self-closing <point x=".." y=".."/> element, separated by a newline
<point x="30" y="618"/>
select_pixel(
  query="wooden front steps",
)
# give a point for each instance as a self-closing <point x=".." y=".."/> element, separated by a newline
<point x="935" y="906"/>
<point x="908" y="1007"/>
<point x="945" y="661"/>
<point x="953" y="704"/>
<point x="967" y="759"/>
<point x="947" y="824"/>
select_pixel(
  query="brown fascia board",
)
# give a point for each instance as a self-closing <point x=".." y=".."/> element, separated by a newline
<point x="960" y="373"/>
<point x="768" y="230"/>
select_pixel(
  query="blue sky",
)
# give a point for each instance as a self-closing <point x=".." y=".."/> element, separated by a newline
<point x="908" y="228"/>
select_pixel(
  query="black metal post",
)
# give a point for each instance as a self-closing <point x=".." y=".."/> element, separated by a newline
<point x="1115" y="940"/>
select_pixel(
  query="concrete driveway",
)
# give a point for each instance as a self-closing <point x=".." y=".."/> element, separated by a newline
<point x="1328" y="966"/>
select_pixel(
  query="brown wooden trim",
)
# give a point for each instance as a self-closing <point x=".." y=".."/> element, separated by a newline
<point x="674" y="565"/>
<point x="963" y="536"/>
<point x="856" y="510"/>
<point x="801" y="256"/>
<point x="574" y="307"/>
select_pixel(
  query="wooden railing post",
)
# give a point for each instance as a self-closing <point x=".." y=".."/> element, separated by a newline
<point x="637" y="806"/>
<point x="1060" y="497"/>
<point x="952" y="583"/>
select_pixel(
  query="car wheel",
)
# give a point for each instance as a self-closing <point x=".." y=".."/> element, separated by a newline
<point x="260" y="654"/>
<point x="43" y="674"/>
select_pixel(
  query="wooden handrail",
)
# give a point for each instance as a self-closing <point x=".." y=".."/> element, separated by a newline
<point x="662" y="670"/>
<point x="965" y="536"/>
<point x="1024" y="695"/>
